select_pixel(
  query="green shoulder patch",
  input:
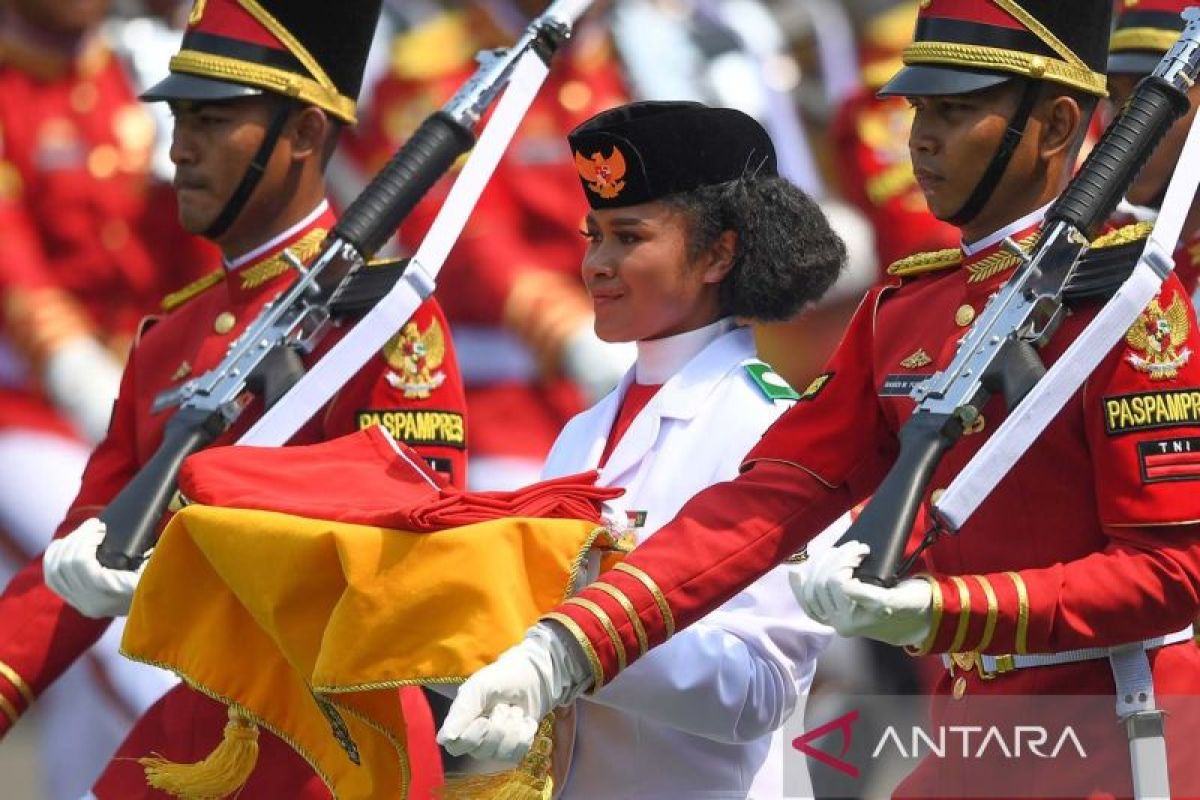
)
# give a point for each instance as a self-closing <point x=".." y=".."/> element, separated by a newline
<point x="770" y="382"/>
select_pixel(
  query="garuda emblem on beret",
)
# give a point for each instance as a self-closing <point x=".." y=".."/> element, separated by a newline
<point x="602" y="175"/>
<point x="1155" y="339"/>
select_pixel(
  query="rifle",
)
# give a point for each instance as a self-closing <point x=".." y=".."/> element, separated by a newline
<point x="999" y="354"/>
<point x="265" y="360"/>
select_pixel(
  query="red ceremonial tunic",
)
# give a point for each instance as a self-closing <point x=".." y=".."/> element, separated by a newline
<point x="1092" y="540"/>
<point x="89" y="241"/>
<point x="419" y="400"/>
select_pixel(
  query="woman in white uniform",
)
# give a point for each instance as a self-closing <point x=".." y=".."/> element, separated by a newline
<point x="689" y="231"/>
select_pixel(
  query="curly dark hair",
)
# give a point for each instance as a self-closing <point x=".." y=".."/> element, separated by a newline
<point x="787" y="256"/>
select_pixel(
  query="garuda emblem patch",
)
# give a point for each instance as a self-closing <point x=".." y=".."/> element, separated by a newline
<point x="1156" y="337"/>
<point x="414" y="357"/>
<point x="603" y="175"/>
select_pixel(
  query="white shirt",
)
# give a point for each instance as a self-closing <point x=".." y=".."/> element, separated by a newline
<point x="699" y="716"/>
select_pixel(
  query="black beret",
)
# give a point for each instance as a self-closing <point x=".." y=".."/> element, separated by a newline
<point x="643" y="151"/>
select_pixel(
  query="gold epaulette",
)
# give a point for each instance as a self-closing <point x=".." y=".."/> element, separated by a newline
<point x="175" y="299"/>
<point x="436" y="48"/>
<point x="921" y="263"/>
<point x="1124" y="235"/>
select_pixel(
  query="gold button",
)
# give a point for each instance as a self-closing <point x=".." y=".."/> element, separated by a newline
<point x="960" y="687"/>
<point x="936" y="495"/>
<point x="1037" y="66"/>
<point x="964" y="316"/>
<point x="83" y="97"/>
<point x="224" y="322"/>
<point x="102" y="162"/>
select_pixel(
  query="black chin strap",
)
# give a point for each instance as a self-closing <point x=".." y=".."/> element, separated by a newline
<point x="254" y="172"/>
<point x="1008" y="145"/>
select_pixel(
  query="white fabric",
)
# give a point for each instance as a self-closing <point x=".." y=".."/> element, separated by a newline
<point x="828" y="592"/>
<point x="82" y="379"/>
<point x="496" y="712"/>
<point x="74" y="573"/>
<point x="699" y="716"/>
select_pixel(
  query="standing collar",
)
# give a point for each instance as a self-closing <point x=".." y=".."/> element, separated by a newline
<point x="1017" y="226"/>
<point x="659" y="359"/>
<point x="280" y="241"/>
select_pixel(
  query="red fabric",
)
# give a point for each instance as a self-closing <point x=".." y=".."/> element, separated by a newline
<point x="984" y="13"/>
<point x="230" y="19"/>
<point x="635" y="399"/>
<point x="364" y="480"/>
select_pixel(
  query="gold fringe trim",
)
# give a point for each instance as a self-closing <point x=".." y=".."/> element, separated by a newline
<point x="223" y="772"/>
<point x="1129" y="233"/>
<point x="304" y="249"/>
<point x="531" y="780"/>
<point x="175" y="299"/>
<point x="280" y="81"/>
<point x="922" y="263"/>
<point x="1157" y="39"/>
<point x="996" y="59"/>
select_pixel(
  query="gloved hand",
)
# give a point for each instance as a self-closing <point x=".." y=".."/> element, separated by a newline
<point x="73" y="572"/>
<point x="828" y="592"/>
<point x="595" y="365"/>
<point x="497" y="710"/>
<point x="82" y="379"/>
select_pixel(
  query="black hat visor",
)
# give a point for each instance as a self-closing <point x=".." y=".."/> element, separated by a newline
<point x="1133" y="62"/>
<point x="921" y="80"/>
<point x="180" y="86"/>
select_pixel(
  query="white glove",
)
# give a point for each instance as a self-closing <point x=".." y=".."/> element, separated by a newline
<point x="82" y="379"/>
<point x="828" y="592"/>
<point x="73" y="572"/>
<point x="595" y="365"/>
<point x="497" y="710"/>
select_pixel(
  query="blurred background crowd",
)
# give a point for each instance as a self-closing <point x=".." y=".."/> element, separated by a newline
<point x="88" y="245"/>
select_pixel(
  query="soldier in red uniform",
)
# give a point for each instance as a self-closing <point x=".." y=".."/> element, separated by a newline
<point x="511" y="286"/>
<point x="1088" y="549"/>
<point x="88" y="245"/>
<point x="1145" y="30"/>
<point x="250" y="177"/>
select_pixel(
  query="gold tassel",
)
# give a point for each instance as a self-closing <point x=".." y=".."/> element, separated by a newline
<point x="530" y="780"/>
<point x="222" y="773"/>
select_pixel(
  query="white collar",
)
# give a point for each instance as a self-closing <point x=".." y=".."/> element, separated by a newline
<point x="1008" y="230"/>
<point x="275" y="241"/>
<point x="659" y="359"/>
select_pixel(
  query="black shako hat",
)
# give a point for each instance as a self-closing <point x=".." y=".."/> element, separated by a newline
<point x="310" y="50"/>
<point x="963" y="46"/>
<point x="1146" y="29"/>
<point x="640" y="152"/>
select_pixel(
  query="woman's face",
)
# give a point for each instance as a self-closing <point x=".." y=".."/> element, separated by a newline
<point x="642" y="282"/>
